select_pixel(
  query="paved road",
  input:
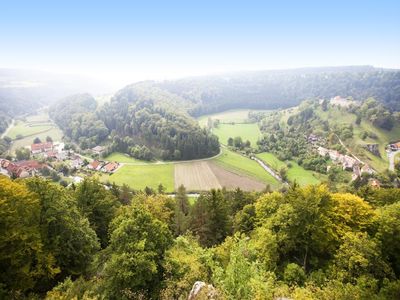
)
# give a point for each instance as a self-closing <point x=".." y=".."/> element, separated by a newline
<point x="391" y="155"/>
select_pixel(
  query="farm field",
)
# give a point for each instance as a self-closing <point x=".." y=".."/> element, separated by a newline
<point x="242" y="165"/>
<point x="231" y="180"/>
<point x="249" y="132"/>
<point x="196" y="176"/>
<point x="138" y="177"/>
<point x="295" y="173"/>
<point x="123" y="158"/>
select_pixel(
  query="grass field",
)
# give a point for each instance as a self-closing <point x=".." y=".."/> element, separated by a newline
<point x="138" y="177"/>
<point x="55" y="133"/>
<point x="238" y="115"/>
<point x="123" y="158"/>
<point x="249" y="132"/>
<point x="229" y="116"/>
<point x="23" y="129"/>
<point x="236" y="162"/>
<point x="295" y="173"/>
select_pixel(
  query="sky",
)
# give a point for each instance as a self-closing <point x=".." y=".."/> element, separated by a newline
<point x="127" y="41"/>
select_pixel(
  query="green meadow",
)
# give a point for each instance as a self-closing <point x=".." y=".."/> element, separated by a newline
<point x="294" y="173"/>
<point x="140" y="176"/>
<point x="241" y="164"/>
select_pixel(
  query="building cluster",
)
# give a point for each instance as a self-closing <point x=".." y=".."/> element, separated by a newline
<point x="21" y="169"/>
<point x="49" y="150"/>
<point x="347" y="162"/>
<point x="103" y="166"/>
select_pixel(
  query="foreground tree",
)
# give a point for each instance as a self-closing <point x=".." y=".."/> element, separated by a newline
<point x="134" y="257"/>
<point x="98" y="205"/>
<point x="66" y="234"/>
<point x="23" y="258"/>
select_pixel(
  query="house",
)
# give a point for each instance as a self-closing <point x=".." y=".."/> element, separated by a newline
<point x="348" y="162"/>
<point x="356" y="172"/>
<point x="98" y="150"/>
<point x="95" y="165"/>
<point x="62" y="155"/>
<point x="312" y="138"/>
<point x="22" y="169"/>
<point x="374" y="183"/>
<point x="322" y="151"/>
<point x="77" y="162"/>
<point x="41" y="147"/>
<point x="50" y="154"/>
<point x="110" y="167"/>
<point x="395" y="146"/>
<point x="367" y="169"/>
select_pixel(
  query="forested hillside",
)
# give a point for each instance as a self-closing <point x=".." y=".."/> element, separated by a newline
<point x="139" y="126"/>
<point x="86" y="242"/>
<point x="285" y="88"/>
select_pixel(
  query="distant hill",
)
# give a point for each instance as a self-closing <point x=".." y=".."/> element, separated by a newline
<point x="24" y="91"/>
<point x="278" y="89"/>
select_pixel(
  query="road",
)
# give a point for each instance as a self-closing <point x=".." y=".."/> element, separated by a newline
<point x="8" y="128"/>
<point x="268" y="169"/>
<point x="391" y="155"/>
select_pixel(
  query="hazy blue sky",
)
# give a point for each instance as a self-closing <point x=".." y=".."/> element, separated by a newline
<point x="132" y="40"/>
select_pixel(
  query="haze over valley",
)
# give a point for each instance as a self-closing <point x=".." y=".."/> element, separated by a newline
<point x="210" y="150"/>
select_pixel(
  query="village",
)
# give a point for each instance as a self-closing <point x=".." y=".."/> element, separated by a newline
<point x="347" y="162"/>
<point x="44" y="157"/>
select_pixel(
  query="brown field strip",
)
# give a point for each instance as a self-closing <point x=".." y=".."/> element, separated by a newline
<point x="196" y="176"/>
<point x="231" y="180"/>
<point x="205" y="175"/>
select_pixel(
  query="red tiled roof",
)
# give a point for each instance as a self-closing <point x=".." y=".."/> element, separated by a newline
<point x="111" y="167"/>
<point x="94" y="164"/>
<point x="41" y="146"/>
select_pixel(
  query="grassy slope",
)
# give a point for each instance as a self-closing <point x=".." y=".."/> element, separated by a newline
<point x="21" y="128"/>
<point x="240" y="164"/>
<point x="249" y="132"/>
<point x="138" y="177"/>
<point x="123" y="158"/>
<point x="295" y="173"/>
<point x="238" y="115"/>
<point x="334" y="115"/>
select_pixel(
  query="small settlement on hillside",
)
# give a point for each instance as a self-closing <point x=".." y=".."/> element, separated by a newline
<point x="49" y="153"/>
<point x="347" y="162"/>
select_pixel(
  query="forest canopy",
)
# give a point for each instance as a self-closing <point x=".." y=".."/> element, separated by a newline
<point x="89" y="242"/>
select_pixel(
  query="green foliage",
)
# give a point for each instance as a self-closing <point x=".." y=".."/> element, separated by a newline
<point x="209" y="218"/>
<point x="76" y="116"/>
<point x="134" y="257"/>
<point x="145" y="129"/>
<point x="294" y="274"/>
<point x="22" y="154"/>
<point x="185" y="263"/>
<point x="65" y="232"/>
<point x="24" y="260"/>
<point x="98" y="205"/>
